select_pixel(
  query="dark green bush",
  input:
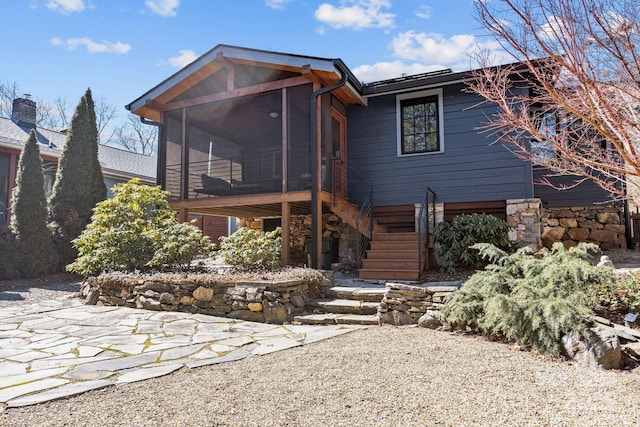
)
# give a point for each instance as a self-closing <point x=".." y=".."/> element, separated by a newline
<point x="248" y="249"/>
<point x="79" y="183"/>
<point x="8" y="259"/>
<point x="35" y="254"/>
<point x="137" y="230"/>
<point x="531" y="299"/>
<point x="456" y="238"/>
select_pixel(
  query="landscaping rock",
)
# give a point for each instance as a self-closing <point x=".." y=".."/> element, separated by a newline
<point x="600" y="348"/>
<point x="432" y="319"/>
<point x="395" y="317"/>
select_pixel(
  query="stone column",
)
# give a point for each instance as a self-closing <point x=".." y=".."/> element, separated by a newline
<point x="524" y="216"/>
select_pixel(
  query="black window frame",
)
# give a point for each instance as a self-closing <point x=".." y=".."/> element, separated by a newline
<point x="435" y="113"/>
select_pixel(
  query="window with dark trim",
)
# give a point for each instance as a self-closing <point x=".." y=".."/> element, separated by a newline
<point x="420" y="125"/>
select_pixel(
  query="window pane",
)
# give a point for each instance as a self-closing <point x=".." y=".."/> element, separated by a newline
<point x="420" y="125"/>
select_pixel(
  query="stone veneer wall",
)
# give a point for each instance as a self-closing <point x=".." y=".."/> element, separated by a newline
<point x="536" y="226"/>
<point x="524" y="216"/>
<point x="258" y="301"/>
<point x="601" y="225"/>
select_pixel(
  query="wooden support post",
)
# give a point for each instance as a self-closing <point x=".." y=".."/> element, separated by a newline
<point x="285" y="224"/>
<point x="183" y="215"/>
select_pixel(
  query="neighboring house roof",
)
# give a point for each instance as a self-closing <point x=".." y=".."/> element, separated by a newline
<point x="14" y="134"/>
<point x="115" y="163"/>
<point x="119" y="163"/>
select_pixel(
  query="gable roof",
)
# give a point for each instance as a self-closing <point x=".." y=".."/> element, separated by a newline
<point x="327" y="71"/>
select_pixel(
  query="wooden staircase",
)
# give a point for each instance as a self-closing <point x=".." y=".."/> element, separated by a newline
<point x="392" y="256"/>
<point x="393" y="252"/>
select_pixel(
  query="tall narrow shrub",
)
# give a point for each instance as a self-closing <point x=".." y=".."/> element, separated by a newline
<point x="36" y="255"/>
<point x="79" y="184"/>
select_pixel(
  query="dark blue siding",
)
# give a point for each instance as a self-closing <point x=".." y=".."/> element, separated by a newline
<point x="470" y="169"/>
<point x="587" y="193"/>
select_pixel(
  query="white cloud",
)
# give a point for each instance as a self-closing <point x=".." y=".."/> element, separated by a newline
<point x="66" y="6"/>
<point x="431" y="48"/>
<point x="424" y="12"/>
<point x="356" y="14"/>
<point x="390" y="70"/>
<point x="91" y="46"/>
<point x="277" y="4"/>
<point x="418" y="53"/>
<point x="553" y="29"/>
<point x="184" y="58"/>
<point x="163" y="7"/>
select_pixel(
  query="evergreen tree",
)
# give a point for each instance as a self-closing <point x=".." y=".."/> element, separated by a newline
<point x="36" y="254"/>
<point x="79" y="184"/>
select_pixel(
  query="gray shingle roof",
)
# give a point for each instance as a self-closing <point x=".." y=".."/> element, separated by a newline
<point x="14" y="136"/>
<point x="127" y="164"/>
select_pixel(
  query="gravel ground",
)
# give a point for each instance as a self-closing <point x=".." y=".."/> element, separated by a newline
<point x="30" y="291"/>
<point x="381" y="376"/>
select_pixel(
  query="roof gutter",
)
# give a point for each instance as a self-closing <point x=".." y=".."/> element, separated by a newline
<point x="314" y="157"/>
<point x="159" y="161"/>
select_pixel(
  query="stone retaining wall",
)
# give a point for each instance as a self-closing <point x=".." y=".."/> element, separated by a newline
<point x="404" y="304"/>
<point x="601" y="225"/>
<point x="258" y="301"/>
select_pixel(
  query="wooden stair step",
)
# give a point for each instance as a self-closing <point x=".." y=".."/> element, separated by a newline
<point x="394" y="246"/>
<point x="404" y="219"/>
<point x="387" y="274"/>
<point x="396" y="237"/>
<point x="404" y="254"/>
<point x="392" y="264"/>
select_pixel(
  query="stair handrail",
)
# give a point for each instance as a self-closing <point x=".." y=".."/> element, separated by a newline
<point x="364" y="228"/>
<point x="423" y="226"/>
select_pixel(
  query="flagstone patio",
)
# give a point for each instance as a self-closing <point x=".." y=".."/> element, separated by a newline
<point x="56" y="349"/>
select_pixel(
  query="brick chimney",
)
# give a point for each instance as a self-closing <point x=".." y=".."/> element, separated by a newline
<point x="24" y="110"/>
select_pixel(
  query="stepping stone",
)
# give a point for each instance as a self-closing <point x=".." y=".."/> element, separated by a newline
<point x="12" y="368"/>
<point x="146" y="373"/>
<point x="317" y="319"/>
<point x="326" y="333"/>
<point x="29" y="356"/>
<point x="9" y="393"/>
<point x="272" y="345"/>
<point x="13" y="380"/>
<point x="57" y="393"/>
<point x="236" y="341"/>
<point x="88" y="351"/>
<point x="357" y="319"/>
<point x="231" y="357"/>
<point x="122" y="362"/>
<point x="180" y="352"/>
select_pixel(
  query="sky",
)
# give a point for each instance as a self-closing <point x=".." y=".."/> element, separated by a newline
<point x="122" y="48"/>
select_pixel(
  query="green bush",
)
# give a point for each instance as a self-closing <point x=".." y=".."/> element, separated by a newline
<point x="248" y="249"/>
<point x="136" y="230"/>
<point x="35" y="253"/>
<point x="9" y="260"/>
<point x="456" y="238"/>
<point x="79" y="184"/>
<point x="620" y="295"/>
<point x="531" y="299"/>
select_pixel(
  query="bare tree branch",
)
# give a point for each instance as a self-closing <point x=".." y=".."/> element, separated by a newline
<point x="133" y="135"/>
<point x="580" y="66"/>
